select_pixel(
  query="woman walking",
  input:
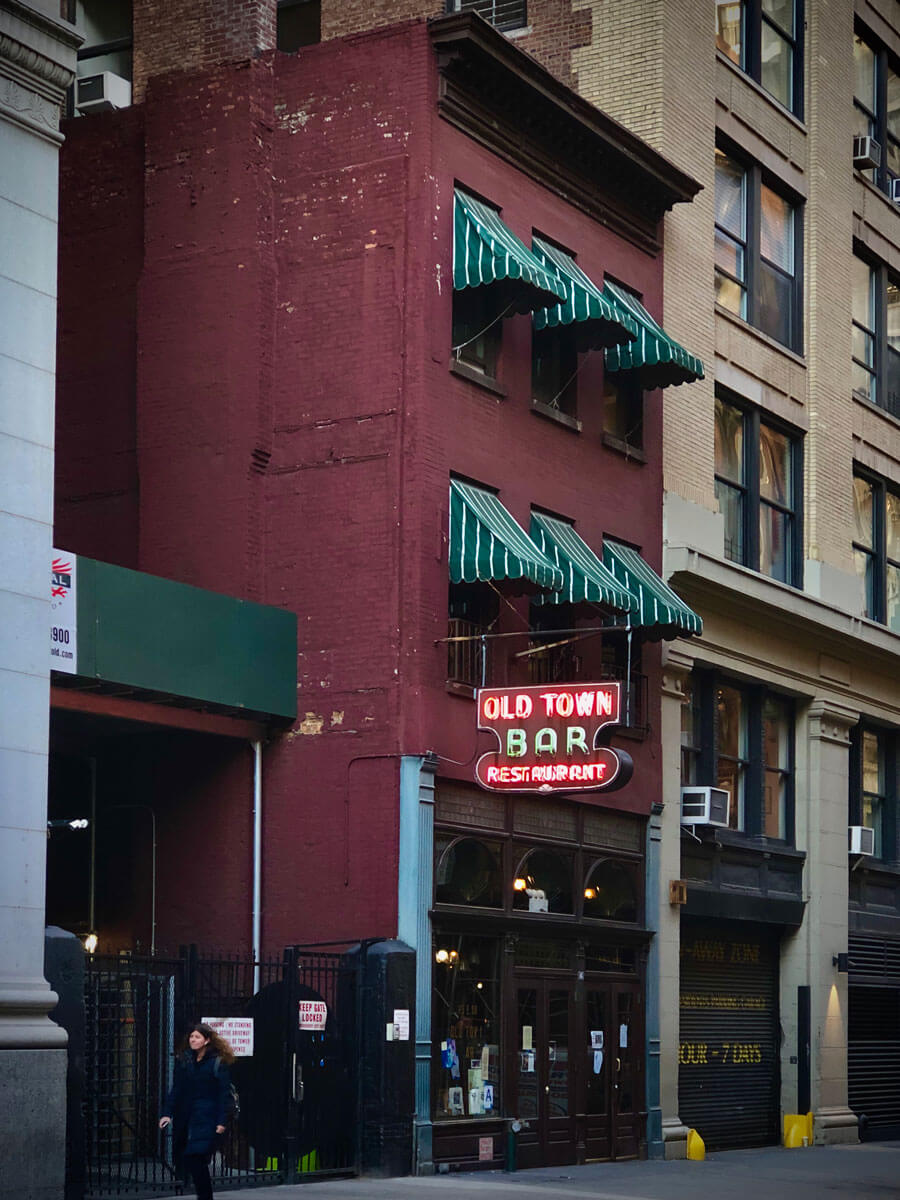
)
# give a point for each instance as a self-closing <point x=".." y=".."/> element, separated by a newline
<point x="196" y="1107"/>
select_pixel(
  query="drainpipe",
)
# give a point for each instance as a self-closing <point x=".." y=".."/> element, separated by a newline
<point x="256" y="915"/>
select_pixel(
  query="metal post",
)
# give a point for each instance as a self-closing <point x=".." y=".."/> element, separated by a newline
<point x="257" y="864"/>
<point x="292" y="1106"/>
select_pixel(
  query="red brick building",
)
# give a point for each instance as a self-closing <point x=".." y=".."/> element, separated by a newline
<point x="360" y="312"/>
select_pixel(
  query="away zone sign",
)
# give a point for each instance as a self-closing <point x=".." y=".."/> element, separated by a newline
<point x="548" y="738"/>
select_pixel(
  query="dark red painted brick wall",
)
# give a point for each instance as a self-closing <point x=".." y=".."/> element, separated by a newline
<point x="298" y="426"/>
<point x="101" y="246"/>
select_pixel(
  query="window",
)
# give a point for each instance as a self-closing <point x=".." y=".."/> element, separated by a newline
<point x="298" y="23"/>
<point x="741" y="738"/>
<point x="502" y="14"/>
<point x="876" y="548"/>
<point x="757" y="251"/>
<point x="543" y="882"/>
<point x="758" y="490"/>
<point x="763" y="38"/>
<point x="553" y="659"/>
<point x="610" y="892"/>
<point x="465" y="1014"/>
<point x="876" y="335"/>
<point x="467" y="871"/>
<point x="876" y="107"/>
<point x="623" y="408"/>
<point x="554" y="366"/>
<point x="473" y="610"/>
<point x="873" y="786"/>
<point x="690" y="735"/>
<point x="476" y="330"/>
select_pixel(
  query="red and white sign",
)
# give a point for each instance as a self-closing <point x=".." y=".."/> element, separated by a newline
<point x="63" y="628"/>
<point x="313" y="1014"/>
<point x="548" y="738"/>
<point x="237" y="1032"/>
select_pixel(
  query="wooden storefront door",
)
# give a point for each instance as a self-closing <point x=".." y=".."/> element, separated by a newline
<point x="541" y="1067"/>
<point x="576" y="1065"/>
<point x="613" y="1060"/>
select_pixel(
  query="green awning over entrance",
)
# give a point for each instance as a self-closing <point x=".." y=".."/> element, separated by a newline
<point x="601" y="323"/>
<point x="586" y="578"/>
<point x="487" y="543"/>
<point x="659" y="359"/>
<point x="486" y="253"/>
<point x="660" y="612"/>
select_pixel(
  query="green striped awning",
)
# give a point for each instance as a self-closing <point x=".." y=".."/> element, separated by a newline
<point x="659" y="359"/>
<point x="661" y="613"/>
<point x="487" y="253"/>
<point x="486" y="542"/>
<point x="600" y="322"/>
<point x="586" y="578"/>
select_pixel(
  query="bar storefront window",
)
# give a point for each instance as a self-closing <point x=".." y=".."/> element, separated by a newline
<point x="466" y="1026"/>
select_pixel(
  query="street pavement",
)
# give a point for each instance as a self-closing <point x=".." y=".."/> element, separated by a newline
<point x="869" y="1171"/>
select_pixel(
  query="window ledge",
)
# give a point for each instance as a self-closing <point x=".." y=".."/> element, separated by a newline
<point x="465" y="690"/>
<point x="765" y="338"/>
<point x="876" y="410"/>
<point x="553" y="414"/>
<point x="869" y="186"/>
<point x="634" y="453"/>
<point x="757" y="844"/>
<point x="761" y="92"/>
<point x="874" y="866"/>
<point x="473" y="376"/>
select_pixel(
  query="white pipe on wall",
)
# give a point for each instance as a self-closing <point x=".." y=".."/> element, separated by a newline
<point x="256" y="915"/>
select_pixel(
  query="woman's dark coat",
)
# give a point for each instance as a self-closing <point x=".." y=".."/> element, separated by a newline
<point x="197" y="1102"/>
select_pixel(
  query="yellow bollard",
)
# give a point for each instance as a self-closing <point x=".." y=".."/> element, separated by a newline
<point x="798" y="1130"/>
<point x="696" y="1147"/>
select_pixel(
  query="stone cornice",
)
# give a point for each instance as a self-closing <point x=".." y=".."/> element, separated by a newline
<point x="37" y="64"/>
<point x="829" y="721"/>
<point x="504" y="98"/>
<point x="790" y="614"/>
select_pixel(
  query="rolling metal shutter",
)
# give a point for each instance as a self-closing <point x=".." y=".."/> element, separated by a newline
<point x="728" y="1075"/>
<point x="873" y="1036"/>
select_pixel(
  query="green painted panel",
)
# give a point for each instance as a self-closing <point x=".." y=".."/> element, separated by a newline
<point x="150" y="633"/>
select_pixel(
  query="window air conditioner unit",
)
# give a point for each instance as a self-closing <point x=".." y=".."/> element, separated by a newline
<point x="862" y="839"/>
<point x="705" y="806"/>
<point x="866" y="153"/>
<point x="98" y="93"/>
<point x="895" y="190"/>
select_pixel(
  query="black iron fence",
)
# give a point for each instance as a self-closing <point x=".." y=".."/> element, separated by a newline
<point x="297" y="1090"/>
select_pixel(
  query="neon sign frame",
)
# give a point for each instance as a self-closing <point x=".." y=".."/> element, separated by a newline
<point x="548" y="738"/>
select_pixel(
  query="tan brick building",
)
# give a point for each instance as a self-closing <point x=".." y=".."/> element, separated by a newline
<point x="781" y="275"/>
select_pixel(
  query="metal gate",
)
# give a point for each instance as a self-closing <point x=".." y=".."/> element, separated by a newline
<point x="298" y="1091"/>
<point x="729" y="1043"/>
<point x="873" y="1036"/>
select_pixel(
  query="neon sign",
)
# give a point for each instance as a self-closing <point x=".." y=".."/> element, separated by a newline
<point x="548" y="738"/>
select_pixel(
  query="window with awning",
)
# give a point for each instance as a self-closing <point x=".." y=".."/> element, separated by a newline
<point x="660" y="613"/>
<point x="486" y="253"/>
<point x="487" y="543"/>
<point x="585" y="576"/>
<point x="600" y="322"/>
<point x="658" y="359"/>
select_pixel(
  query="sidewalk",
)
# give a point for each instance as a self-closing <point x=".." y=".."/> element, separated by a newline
<point x="870" y="1171"/>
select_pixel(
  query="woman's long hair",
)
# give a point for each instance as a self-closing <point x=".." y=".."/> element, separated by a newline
<point x="216" y="1043"/>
